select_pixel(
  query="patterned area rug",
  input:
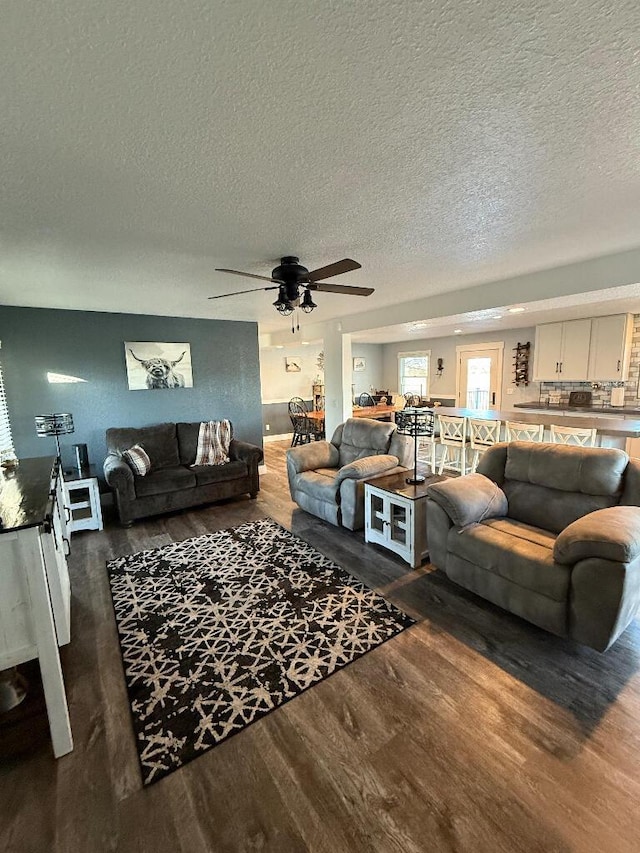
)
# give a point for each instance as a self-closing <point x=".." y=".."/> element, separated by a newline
<point x="218" y="631"/>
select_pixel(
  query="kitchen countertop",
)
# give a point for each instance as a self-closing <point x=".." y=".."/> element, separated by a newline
<point x="559" y="407"/>
<point x="25" y="492"/>
<point x="616" y="427"/>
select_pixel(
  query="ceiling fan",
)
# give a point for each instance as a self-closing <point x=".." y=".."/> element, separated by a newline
<point x="290" y="277"/>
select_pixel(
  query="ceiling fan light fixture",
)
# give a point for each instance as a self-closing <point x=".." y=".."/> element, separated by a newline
<point x="282" y="304"/>
<point x="307" y="304"/>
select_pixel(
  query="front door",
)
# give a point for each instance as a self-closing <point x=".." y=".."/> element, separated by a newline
<point x="479" y="376"/>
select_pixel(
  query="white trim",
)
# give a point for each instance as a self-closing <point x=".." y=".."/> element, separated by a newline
<point x="281" y="437"/>
<point x="497" y="345"/>
<point x="262" y="469"/>
<point x="474" y="347"/>
<point x="284" y="400"/>
<point x="409" y="353"/>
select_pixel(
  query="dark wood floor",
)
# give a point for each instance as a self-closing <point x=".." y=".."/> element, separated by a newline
<point x="471" y="731"/>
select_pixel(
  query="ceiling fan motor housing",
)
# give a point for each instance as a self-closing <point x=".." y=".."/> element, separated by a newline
<point x="292" y="275"/>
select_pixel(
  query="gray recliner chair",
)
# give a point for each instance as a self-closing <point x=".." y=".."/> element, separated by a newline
<point x="326" y="478"/>
<point x="549" y="532"/>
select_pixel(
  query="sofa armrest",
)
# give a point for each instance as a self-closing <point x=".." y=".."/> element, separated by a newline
<point x="368" y="466"/>
<point x="119" y="476"/>
<point x="245" y="452"/>
<point x="470" y="499"/>
<point x="308" y="457"/>
<point x="608" y="534"/>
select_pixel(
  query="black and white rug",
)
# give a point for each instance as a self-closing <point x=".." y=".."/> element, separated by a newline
<point x="219" y="630"/>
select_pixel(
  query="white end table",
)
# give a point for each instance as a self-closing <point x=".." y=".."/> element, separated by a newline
<point x="396" y="515"/>
<point x="82" y="499"/>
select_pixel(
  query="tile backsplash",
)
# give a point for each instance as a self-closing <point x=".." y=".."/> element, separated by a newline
<point x="602" y="394"/>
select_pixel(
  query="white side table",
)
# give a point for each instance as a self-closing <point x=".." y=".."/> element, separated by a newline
<point x="396" y="515"/>
<point x="82" y="499"/>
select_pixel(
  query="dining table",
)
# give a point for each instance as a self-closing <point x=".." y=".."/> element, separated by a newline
<point x="377" y="413"/>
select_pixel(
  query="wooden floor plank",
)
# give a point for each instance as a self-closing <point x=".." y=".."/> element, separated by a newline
<point x="471" y="731"/>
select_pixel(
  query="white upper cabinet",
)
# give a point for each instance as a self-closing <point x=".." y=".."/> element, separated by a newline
<point x="592" y="350"/>
<point x="610" y="347"/>
<point x="546" y="354"/>
<point x="562" y="351"/>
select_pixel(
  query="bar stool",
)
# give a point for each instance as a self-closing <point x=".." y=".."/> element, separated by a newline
<point x="453" y="436"/>
<point x="515" y="431"/>
<point x="482" y="435"/>
<point x="580" y="436"/>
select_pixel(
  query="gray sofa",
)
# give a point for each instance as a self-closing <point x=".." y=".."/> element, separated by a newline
<point x="326" y="478"/>
<point x="173" y="481"/>
<point x="549" y="532"/>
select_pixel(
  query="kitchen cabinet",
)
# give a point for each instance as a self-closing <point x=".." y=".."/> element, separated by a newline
<point x="610" y="349"/>
<point x="34" y="582"/>
<point x="562" y="351"/>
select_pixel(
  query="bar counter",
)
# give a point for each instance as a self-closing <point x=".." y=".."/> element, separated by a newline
<point x="615" y="427"/>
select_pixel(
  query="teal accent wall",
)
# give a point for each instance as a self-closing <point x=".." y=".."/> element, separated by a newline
<point x="90" y="346"/>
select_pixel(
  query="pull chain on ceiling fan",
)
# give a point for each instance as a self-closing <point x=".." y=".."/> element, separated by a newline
<point x="290" y="277"/>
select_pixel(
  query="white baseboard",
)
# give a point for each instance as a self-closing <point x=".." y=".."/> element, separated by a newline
<point x="262" y="469"/>
<point x="282" y="437"/>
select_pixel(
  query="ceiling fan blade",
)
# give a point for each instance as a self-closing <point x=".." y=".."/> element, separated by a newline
<point x="340" y="288"/>
<point x="246" y="274"/>
<point x="240" y="292"/>
<point x="345" y="265"/>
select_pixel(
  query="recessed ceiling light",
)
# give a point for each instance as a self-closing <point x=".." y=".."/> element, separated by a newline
<point x="516" y="310"/>
<point x="457" y="331"/>
<point x="419" y="325"/>
<point x="305" y="343"/>
<point x="497" y="317"/>
<point x="279" y="346"/>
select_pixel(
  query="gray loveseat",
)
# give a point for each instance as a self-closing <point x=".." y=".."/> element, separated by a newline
<point x="549" y="532"/>
<point x="326" y="478"/>
<point x="173" y="481"/>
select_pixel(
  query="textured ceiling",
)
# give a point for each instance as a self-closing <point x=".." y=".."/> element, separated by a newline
<point x="440" y="144"/>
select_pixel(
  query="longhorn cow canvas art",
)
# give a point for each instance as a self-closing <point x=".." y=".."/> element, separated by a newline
<point x="153" y="366"/>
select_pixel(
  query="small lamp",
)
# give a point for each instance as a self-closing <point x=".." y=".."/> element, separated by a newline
<point x="415" y="422"/>
<point x="55" y="424"/>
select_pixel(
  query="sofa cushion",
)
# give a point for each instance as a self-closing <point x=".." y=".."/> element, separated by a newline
<point x="514" y="551"/>
<point x="159" y="441"/>
<point x="551" y="509"/>
<point x="163" y="481"/>
<point x="587" y="470"/>
<point x="470" y="499"/>
<point x="206" y="474"/>
<point x="362" y="437"/>
<point x="320" y="485"/>
<point x="610" y="534"/>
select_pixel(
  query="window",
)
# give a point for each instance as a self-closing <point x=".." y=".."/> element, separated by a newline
<point x="6" y="439"/>
<point x="413" y="372"/>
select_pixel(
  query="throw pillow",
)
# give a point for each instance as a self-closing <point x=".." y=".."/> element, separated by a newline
<point x="214" y="439"/>
<point x="137" y="459"/>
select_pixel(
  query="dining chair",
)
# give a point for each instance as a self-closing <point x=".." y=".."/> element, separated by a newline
<point x="304" y="429"/>
<point x="581" y="436"/>
<point x="412" y="400"/>
<point x="482" y="435"/>
<point x="515" y="431"/>
<point x="453" y="438"/>
<point x="365" y="400"/>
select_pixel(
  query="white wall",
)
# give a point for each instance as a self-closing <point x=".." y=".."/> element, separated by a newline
<point x="445" y="348"/>
<point x="278" y="386"/>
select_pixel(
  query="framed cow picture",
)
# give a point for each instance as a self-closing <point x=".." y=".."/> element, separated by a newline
<point x="153" y="366"/>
